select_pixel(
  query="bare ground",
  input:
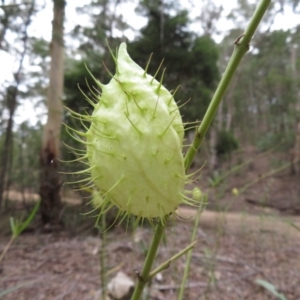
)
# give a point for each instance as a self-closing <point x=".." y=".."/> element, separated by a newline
<point x="244" y="238"/>
<point x="232" y="251"/>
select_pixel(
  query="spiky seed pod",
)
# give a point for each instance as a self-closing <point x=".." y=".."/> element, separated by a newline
<point x="134" y="143"/>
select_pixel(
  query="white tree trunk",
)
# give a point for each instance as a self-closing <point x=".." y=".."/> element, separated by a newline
<point x="50" y="182"/>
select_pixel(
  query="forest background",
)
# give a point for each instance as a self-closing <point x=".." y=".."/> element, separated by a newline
<point x="260" y="110"/>
<point x="250" y="158"/>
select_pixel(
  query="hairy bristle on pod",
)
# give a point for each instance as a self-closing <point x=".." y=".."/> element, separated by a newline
<point x="134" y="144"/>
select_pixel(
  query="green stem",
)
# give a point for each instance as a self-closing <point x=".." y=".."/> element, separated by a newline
<point x="167" y="263"/>
<point x="144" y="276"/>
<point x="103" y="255"/>
<point x="189" y="256"/>
<point x="241" y="47"/>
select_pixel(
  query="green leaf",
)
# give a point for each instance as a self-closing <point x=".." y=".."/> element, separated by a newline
<point x="30" y="217"/>
<point x="271" y="288"/>
<point x="12" y="225"/>
<point x="18" y="227"/>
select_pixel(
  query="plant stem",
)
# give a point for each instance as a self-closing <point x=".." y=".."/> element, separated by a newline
<point x="103" y="255"/>
<point x="167" y="263"/>
<point x="144" y="276"/>
<point x="241" y="47"/>
<point x="189" y="255"/>
<point x="7" y="247"/>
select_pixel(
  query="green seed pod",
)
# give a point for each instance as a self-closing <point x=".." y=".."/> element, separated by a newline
<point x="134" y="143"/>
<point x="197" y="194"/>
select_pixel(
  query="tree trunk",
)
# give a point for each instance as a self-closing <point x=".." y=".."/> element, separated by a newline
<point x="162" y="23"/>
<point x="11" y="99"/>
<point x="4" y="23"/>
<point x="296" y="150"/>
<point x="50" y="182"/>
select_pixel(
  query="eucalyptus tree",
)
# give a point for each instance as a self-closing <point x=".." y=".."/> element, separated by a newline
<point x="50" y="182"/>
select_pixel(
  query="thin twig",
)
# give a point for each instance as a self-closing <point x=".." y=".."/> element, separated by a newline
<point x="202" y="284"/>
<point x="167" y="263"/>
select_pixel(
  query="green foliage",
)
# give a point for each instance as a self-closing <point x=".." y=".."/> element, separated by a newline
<point x="104" y="20"/>
<point x="18" y="226"/>
<point x="215" y="179"/>
<point x="226" y="143"/>
<point x="40" y="47"/>
<point x="190" y="61"/>
<point x="265" y="92"/>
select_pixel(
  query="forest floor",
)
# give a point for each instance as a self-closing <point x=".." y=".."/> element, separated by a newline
<point x="240" y="239"/>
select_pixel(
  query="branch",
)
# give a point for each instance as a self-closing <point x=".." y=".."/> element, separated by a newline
<point x="241" y="47"/>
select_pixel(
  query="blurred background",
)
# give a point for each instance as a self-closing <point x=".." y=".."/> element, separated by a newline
<point x="259" y="114"/>
<point x="250" y="159"/>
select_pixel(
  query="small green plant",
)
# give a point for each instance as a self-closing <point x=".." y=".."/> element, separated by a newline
<point x="17" y="227"/>
<point x="203" y="202"/>
<point x="215" y="179"/>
